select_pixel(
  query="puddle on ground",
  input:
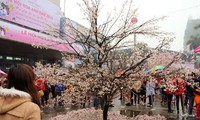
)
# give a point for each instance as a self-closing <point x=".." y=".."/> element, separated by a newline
<point x="129" y="113"/>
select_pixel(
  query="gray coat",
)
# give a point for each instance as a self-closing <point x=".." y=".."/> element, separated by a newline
<point x="150" y="88"/>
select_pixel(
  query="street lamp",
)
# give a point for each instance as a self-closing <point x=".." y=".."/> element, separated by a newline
<point x="134" y="20"/>
<point x="63" y="7"/>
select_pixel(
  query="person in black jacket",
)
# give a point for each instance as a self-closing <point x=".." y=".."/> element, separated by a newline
<point x="196" y="78"/>
<point x="190" y="90"/>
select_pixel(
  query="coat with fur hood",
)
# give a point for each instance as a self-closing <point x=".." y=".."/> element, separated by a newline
<point x="17" y="105"/>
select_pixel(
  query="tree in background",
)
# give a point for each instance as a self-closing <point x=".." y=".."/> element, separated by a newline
<point x="194" y="42"/>
<point x="162" y="58"/>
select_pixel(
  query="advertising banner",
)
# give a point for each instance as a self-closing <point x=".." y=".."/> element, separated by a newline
<point x="24" y="35"/>
<point x="37" y="14"/>
<point x="67" y="27"/>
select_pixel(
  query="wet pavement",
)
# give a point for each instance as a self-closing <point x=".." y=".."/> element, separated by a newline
<point x="121" y="108"/>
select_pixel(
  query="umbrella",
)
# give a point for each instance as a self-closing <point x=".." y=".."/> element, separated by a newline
<point x="197" y="49"/>
<point x="158" y="67"/>
<point x="146" y="70"/>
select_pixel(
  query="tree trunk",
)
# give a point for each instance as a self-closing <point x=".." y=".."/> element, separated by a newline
<point x="105" y="106"/>
<point x="105" y="111"/>
<point x="102" y="103"/>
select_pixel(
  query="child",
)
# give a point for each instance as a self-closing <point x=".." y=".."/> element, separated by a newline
<point x="197" y="101"/>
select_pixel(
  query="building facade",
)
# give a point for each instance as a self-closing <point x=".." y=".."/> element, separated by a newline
<point x="25" y="26"/>
<point x="56" y="2"/>
<point x="190" y="31"/>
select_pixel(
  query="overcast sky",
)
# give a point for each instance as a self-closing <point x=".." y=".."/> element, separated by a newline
<point x="178" y="12"/>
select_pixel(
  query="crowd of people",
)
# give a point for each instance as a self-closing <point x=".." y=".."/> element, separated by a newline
<point x="20" y="97"/>
<point x="47" y="89"/>
<point x="174" y="88"/>
<point x="21" y="90"/>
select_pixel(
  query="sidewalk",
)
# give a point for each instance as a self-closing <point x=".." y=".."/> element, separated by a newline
<point x="158" y="108"/>
<point x="119" y="107"/>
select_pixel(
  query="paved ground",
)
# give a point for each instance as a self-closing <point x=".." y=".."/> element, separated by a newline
<point x="130" y="111"/>
<point x="158" y="108"/>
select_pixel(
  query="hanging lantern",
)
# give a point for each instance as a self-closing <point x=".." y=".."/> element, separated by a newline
<point x="134" y="20"/>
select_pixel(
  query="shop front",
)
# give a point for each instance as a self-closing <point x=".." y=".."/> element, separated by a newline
<point x="12" y="52"/>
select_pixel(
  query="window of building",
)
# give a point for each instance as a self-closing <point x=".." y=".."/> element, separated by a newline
<point x="9" y="58"/>
<point x="19" y="59"/>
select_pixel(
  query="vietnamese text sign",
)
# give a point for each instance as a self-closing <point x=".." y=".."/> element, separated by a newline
<point x="20" y="34"/>
<point x="37" y="14"/>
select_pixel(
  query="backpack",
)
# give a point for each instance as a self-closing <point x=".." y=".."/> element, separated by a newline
<point x="60" y="87"/>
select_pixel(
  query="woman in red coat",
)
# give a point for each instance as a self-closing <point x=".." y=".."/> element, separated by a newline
<point x="181" y="87"/>
<point x="169" y="92"/>
<point x="42" y="85"/>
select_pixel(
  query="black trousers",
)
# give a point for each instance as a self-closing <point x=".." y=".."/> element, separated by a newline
<point x="136" y="98"/>
<point x="169" y="101"/>
<point x="151" y="99"/>
<point x="131" y="97"/>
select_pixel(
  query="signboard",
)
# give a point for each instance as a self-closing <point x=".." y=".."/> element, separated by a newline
<point x="67" y="28"/>
<point x="24" y="35"/>
<point x="37" y="14"/>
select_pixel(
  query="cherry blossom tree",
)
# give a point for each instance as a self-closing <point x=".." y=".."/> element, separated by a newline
<point x="97" y="75"/>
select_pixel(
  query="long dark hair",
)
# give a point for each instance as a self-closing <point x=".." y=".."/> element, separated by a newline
<point x="22" y="77"/>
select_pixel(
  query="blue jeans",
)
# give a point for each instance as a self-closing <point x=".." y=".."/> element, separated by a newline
<point x="191" y="104"/>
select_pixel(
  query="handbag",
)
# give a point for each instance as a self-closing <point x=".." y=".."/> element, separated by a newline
<point x="41" y="93"/>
